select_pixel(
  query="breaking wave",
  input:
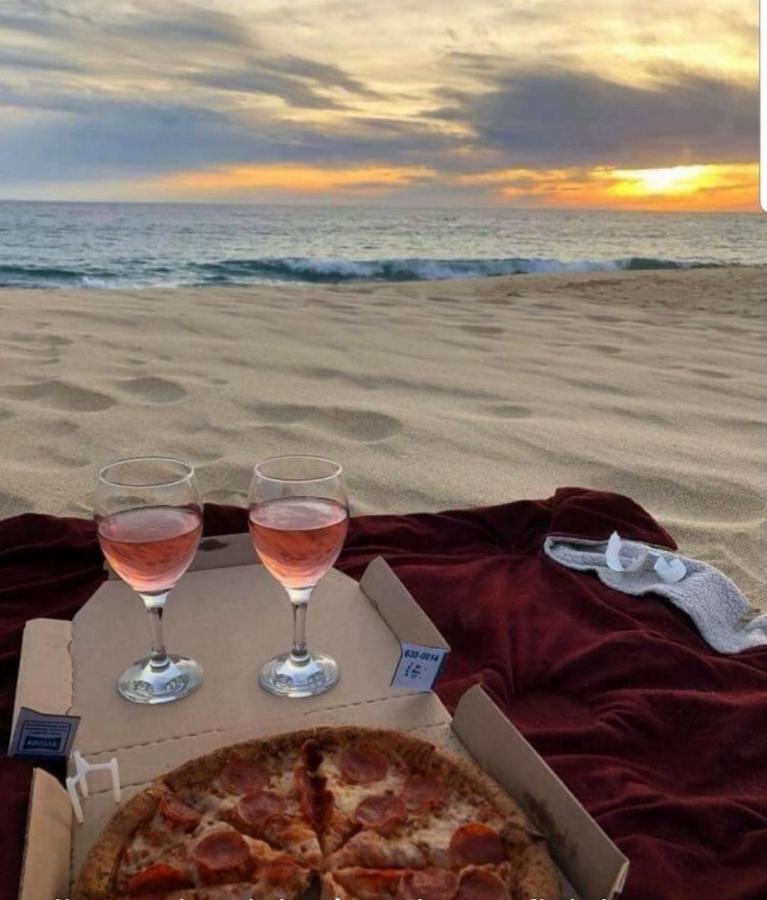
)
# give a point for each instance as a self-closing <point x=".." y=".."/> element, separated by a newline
<point x="323" y="271"/>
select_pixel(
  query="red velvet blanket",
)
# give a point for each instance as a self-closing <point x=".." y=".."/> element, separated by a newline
<point x="663" y="740"/>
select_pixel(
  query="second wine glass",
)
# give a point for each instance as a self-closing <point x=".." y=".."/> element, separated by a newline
<point x="298" y="520"/>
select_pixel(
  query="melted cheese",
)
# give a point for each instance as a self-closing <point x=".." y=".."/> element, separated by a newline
<point x="347" y="796"/>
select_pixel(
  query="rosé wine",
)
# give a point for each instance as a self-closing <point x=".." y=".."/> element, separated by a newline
<point x="151" y="547"/>
<point x="298" y="538"/>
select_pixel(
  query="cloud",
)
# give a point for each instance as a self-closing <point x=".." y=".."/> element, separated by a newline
<point x="77" y="136"/>
<point x="182" y="23"/>
<point x="563" y="117"/>
<point x="19" y="58"/>
<point x="299" y="82"/>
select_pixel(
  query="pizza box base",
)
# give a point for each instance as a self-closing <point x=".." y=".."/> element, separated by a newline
<point x="231" y="617"/>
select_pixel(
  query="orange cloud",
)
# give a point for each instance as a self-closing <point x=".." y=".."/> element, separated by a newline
<point x="694" y="188"/>
<point x="293" y="177"/>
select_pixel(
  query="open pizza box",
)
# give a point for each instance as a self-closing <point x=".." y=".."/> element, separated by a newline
<point x="230" y="615"/>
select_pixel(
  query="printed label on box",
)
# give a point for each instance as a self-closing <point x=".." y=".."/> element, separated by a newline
<point x="418" y="667"/>
<point x="43" y="734"/>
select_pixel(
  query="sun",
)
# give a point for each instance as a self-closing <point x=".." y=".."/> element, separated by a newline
<point x="675" y="180"/>
<point x="679" y="178"/>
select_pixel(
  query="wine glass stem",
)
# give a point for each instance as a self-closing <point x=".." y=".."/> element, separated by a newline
<point x="155" y="605"/>
<point x="299" y="597"/>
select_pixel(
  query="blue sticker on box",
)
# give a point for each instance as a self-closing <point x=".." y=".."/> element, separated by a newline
<point x="43" y="734"/>
<point x="418" y="667"/>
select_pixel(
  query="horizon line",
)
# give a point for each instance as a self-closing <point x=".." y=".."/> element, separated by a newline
<point x="391" y="207"/>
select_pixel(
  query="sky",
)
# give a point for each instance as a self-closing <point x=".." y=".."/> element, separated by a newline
<point x="532" y="103"/>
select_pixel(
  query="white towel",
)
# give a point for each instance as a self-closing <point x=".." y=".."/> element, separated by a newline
<point x="721" y="612"/>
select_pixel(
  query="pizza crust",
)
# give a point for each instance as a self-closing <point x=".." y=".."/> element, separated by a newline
<point x="97" y="876"/>
<point x="204" y="769"/>
<point x="536" y="874"/>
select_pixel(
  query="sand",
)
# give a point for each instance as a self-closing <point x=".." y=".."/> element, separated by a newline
<point x="434" y="395"/>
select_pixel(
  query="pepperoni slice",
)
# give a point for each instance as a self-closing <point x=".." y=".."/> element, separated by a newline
<point x="221" y="852"/>
<point x="480" y="884"/>
<point x="240" y="776"/>
<point x="178" y="812"/>
<point x="475" y="844"/>
<point x="429" y="884"/>
<point x="256" y="809"/>
<point x="380" y="812"/>
<point x="422" y="792"/>
<point x="363" y="766"/>
<point x="158" y="877"/>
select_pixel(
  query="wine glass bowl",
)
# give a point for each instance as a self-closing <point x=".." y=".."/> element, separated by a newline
<point x="148" y="513"/>
<point x="298" y="519"/>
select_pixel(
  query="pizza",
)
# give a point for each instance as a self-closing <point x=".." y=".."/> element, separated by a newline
<point x="354" y="813"/>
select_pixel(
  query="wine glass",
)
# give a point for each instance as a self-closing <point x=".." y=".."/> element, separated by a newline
<point x="298" y="519"/>
<point x="149" y="516"/>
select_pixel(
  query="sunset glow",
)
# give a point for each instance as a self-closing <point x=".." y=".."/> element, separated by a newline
<point x="309" y="179"/>
<point x="733" y="187"/>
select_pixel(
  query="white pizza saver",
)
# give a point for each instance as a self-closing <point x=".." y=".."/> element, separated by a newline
<point x="82" y="768"/>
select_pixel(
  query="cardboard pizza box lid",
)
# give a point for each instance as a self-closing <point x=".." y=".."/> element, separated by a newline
<point x="46" y="865"/>
<point x="502" y="751"/>
<point x="232" y="616"/>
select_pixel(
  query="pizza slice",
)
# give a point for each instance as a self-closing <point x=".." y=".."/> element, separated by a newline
<point x="518" y="858"/>
<point x="396" y="802"/>
<point x="401" y="804"/>
<point x="253" y="788"/>
<point x="159" y="844"/>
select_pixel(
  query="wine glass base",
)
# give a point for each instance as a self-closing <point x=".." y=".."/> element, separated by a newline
<point x="144" y="683"/>
<point x="286" y="677"/>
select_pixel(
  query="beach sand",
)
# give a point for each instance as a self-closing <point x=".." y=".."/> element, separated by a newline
<point x="434" y="395"/>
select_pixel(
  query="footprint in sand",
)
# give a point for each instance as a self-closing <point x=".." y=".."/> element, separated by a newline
<point x="51" y="340"/>
<point x="61" y="395"/>
<point x="509" y="411"/>
<point x="52" y="457"/>
<point x="356" y="379"/>
<point x="355" y="424"/>
<point x="482" y="330"/>
<point x="360" y="425"/>
<point x="152" y="389"/>
<point x="710" y="373"/>
<point x="608" y="349"/>
<point x="61" y="427"/>
<point x="604" y="317"/>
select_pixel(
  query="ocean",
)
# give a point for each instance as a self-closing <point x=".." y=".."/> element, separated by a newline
<point x="127" y="245"/>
